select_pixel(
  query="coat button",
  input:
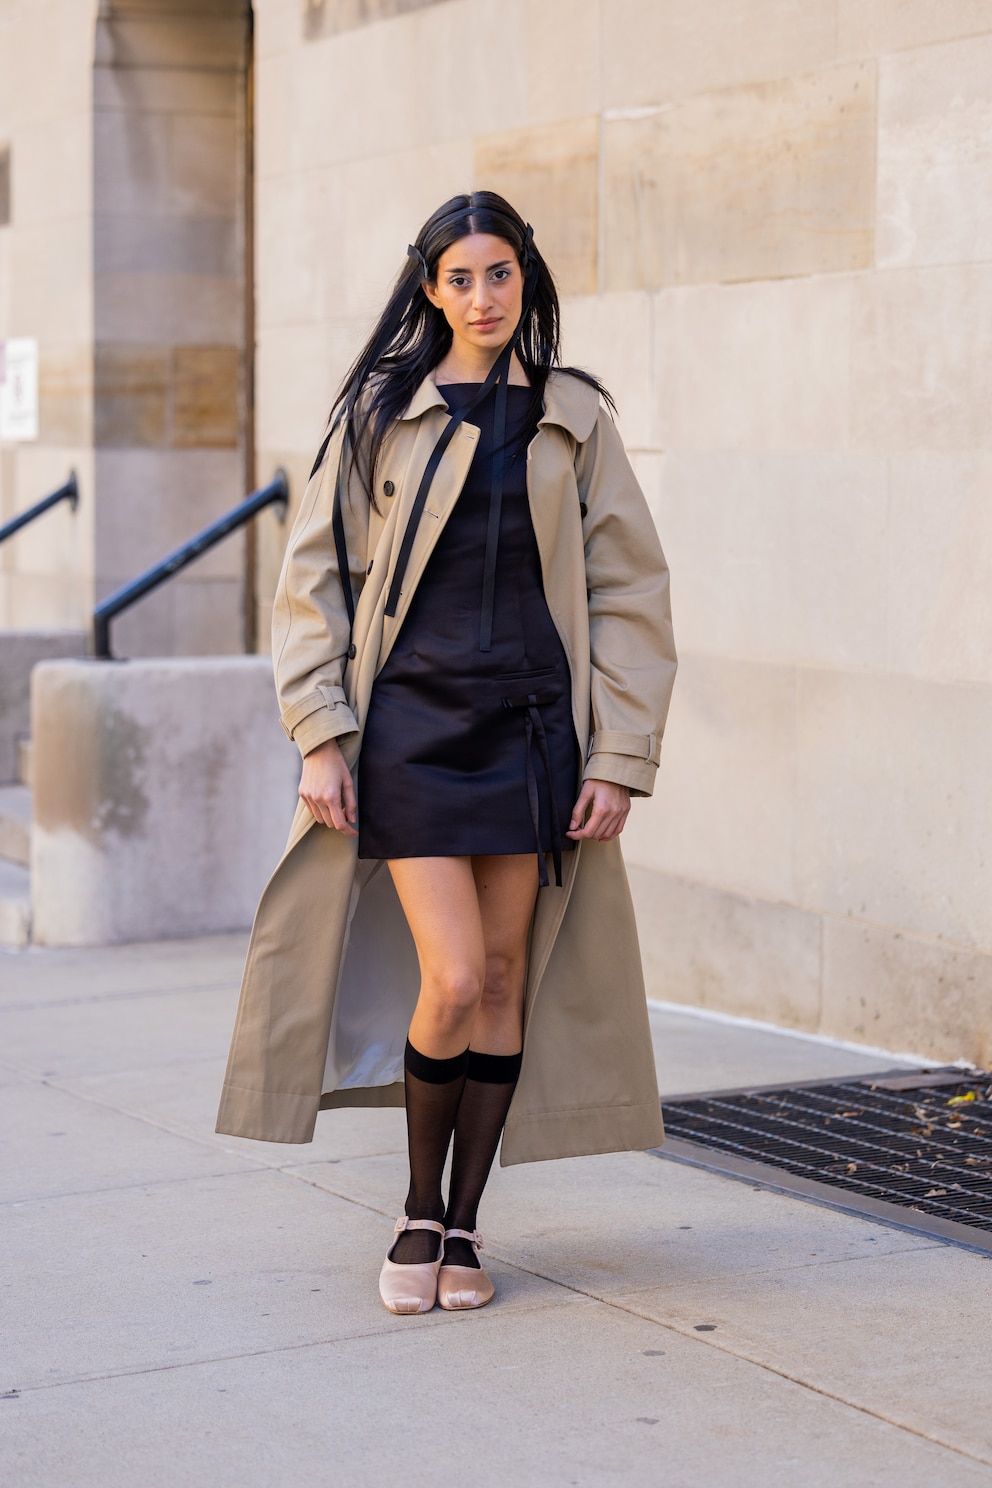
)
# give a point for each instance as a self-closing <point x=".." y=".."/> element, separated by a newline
<point x="352" y="651"/>
<point x="583" y="509"/>
<point x="388" y="488"/>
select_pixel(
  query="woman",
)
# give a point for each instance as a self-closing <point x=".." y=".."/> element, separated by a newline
<point x="472" y="623"/>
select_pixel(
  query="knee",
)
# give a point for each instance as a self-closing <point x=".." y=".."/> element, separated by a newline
<point x="456" y="992"/>
<point x="503" y="987"/>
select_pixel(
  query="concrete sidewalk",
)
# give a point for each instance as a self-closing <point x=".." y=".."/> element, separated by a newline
<point x="186" y="1309"/>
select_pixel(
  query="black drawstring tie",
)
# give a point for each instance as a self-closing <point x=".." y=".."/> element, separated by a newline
<point x="498" y="377"/>
<point x="534" y="728"/>
<point x="495" y="511"/>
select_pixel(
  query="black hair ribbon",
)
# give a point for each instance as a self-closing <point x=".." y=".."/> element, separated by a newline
<point x="414" y="252"/>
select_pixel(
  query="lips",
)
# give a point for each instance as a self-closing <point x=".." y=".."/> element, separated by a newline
<point x="485" y="325"/>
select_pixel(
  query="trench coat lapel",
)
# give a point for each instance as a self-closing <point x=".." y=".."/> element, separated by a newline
<point x="445" y="489"/>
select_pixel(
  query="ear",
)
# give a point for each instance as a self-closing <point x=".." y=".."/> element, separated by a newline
<point x="430" y="290"/>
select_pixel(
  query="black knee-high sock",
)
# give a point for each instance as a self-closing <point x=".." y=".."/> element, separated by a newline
<point x="433" y="1091"/>
<point x="489" y="1085"/>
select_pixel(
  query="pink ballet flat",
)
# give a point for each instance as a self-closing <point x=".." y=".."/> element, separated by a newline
<point x="460" y="1288"/>
<point x="413" y="1287"/>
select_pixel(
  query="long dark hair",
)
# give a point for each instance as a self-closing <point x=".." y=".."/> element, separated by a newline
<point x="412" y="335"/>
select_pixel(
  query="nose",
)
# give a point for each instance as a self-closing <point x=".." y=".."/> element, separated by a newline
<point x="482" y="296"/>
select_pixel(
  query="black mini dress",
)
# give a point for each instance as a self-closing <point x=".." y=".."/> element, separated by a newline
<point x="471" y="751"/>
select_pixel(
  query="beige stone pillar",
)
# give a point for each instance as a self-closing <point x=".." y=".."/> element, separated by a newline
<point x="123" y="254"/>
<point x="46" y="294"/>
<point x="169" y="312"/>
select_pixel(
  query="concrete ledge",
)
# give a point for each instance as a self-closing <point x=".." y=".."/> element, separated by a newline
<point x="163" y="791"/>
<point x="20" y="651"/>
<point x="838" y="976"/>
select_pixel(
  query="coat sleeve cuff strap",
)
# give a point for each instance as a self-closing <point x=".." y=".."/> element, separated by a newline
<point x="616" y="741"/>
<point x="638" y="775"/>
<point x="323" y="714"/>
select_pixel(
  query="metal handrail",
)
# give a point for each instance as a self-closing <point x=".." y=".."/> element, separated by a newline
<point x="69" y="492"/>
<point x="277" y="491"/>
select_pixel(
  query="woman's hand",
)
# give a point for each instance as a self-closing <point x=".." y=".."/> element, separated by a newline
<point x="328" y="789"/>
<point x="607" y="806"/>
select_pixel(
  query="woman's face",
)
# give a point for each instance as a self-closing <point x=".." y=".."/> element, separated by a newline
<point x="480" y="290"/>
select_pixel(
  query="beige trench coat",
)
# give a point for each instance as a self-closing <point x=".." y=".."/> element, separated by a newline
<point x="331" y="978"/>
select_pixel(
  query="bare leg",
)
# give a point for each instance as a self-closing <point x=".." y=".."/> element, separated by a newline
<point x="441" y="904"/>
<point x="507" y="889"/>
<point x="470" y="919"/>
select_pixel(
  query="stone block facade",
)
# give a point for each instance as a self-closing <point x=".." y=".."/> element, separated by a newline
<point x="771" y="225"/>
<point x="124" y="256"/>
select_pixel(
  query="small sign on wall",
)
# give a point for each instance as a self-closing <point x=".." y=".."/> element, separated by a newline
<point x="19" y="388"/>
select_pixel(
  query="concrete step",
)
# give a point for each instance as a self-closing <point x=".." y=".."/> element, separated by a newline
<point x="24" y="761"/>
<point x="15" y="905"/>
<point x="15" y="824"/>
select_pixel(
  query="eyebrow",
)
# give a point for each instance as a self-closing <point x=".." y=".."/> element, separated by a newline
<point x="503" y="263"/>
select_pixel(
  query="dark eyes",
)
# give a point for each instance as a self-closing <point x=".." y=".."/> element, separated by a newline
<point x="461" y="281"/>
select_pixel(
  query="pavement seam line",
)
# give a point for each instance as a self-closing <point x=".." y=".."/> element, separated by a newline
<point x="516" y="1265"/>
<point x="577" y="1294"/>
<point x="436" y="1319"/>
<point x="275" y="1166"/>
<point x="136" y="994"/>
<point x="55" y="1083"/>
<point x="758" y="1271"/>
<point x="141" y="1184"/>
<point x="266" y="1165"/>
<point x="691" y="1336"/>
<point x="41" y="1078"/>
<point x="747" y="1358"/>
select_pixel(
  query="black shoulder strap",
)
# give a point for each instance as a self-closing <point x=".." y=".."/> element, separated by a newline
<point x="337" y="521"/>
<point x="337" y="515"/>
<point x="500" y="372"/>
<point x="420" y="500"/>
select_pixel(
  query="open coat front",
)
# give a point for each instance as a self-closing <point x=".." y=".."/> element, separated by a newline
<point x="331" y="979"/>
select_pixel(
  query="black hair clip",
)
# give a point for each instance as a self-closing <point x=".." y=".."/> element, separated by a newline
<point x="528" y="245"/>
<point x="415" y="253"/>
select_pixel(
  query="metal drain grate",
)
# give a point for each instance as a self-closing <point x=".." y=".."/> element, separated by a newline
<point x="913" y="1148"/>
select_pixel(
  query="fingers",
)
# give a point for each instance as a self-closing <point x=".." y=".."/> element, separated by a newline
<point x="608" y="806"/>
<point x="328" y="792"/>
<point x="344" y="811"/>
<point x="602" y="826"/>
<point x="337" y="812"/>
<point x="580" y="808"/>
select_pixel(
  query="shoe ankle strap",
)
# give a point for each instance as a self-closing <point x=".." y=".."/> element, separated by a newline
<point x="471" y="1235"/>
<point x="404" y="1223"/>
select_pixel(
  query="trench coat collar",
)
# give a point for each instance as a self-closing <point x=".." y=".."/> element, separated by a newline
<point x="569" y="403"/>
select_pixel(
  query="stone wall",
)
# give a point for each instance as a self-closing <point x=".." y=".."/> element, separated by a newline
<point x="46" y="266"/>
<point x="169" y="311"/>
<point x="772" y="227"/>
<point x="124" y="256"/>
